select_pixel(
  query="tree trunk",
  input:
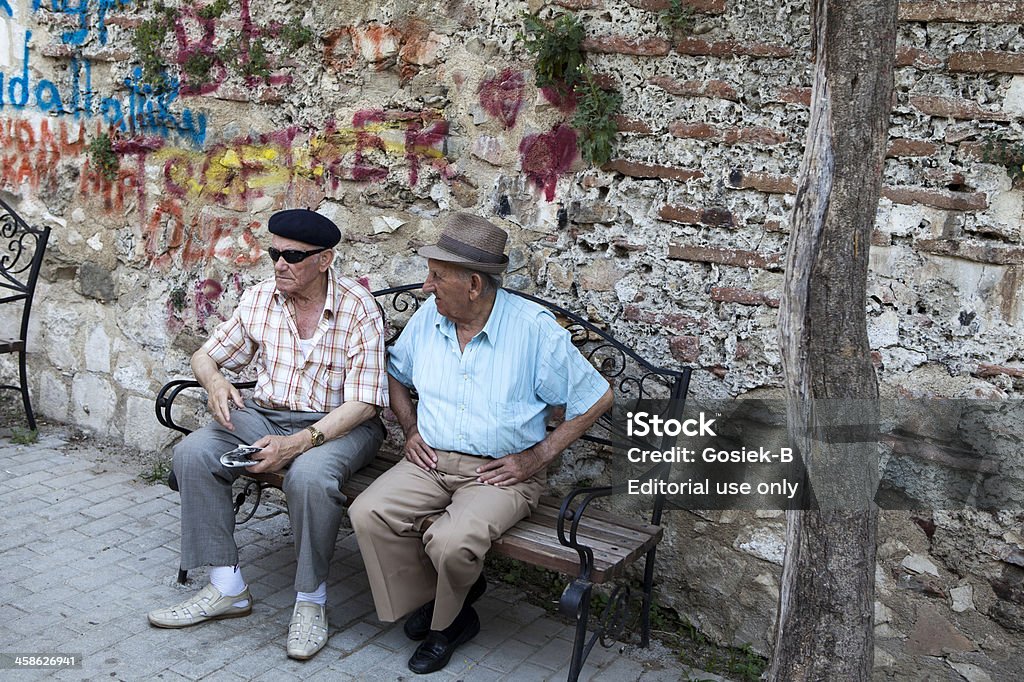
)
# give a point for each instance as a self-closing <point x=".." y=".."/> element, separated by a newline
<point x="827" y="599"/>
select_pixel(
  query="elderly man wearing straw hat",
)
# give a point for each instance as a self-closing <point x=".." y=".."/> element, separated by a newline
<point x="488" y="367"/>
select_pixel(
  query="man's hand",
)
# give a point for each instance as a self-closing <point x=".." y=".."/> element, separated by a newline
<point x="278" y="451"/>
<point x="512" y="469"/>
<point x="418" y="452"/>
<point x="220" y="397"/>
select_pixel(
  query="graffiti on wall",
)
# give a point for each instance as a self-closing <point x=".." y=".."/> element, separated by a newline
<point x="172" y="240"/>
<point x="30" y="151"/>
<point x="502" y="96"/>
<point x="144" y="110"/>
<point x="284" y="167"/>
<point x="243" y="50"/>
<point x="87" y="16"/>
<point x="546" y="156"/>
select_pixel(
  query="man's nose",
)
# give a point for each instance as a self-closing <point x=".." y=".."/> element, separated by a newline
<point x="428" y="286"/>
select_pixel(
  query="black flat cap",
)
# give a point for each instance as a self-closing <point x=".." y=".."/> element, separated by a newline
<point x="304" y="225"/>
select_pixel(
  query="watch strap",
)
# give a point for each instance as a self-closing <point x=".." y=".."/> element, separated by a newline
<point x="316" y="436"/>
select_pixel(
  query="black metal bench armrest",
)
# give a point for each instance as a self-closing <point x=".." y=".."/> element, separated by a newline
<point x="169" y="393"/>
<point x="574" y="515"/>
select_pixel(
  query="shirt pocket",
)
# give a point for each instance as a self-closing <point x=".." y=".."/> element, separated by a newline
<point x="331" y="380"/>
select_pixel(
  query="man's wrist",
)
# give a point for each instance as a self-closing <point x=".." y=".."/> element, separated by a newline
<point x="316" y="436"/>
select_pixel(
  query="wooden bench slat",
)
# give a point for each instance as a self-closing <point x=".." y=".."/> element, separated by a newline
<point x="626" y="529"/>
<point x="539" y="539"/>
<point x="542" y="548"/>
<point x="609" y="551"/>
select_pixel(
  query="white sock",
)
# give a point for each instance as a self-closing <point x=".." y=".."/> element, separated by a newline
<point x="228" y="581"/>
<point x="318" y="597"/>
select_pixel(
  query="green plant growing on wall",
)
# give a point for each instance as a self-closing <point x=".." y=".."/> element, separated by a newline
<point x="595" y="119"/>
<point x="197" y="68"/>
<point x="228" y="52"/>
<point x="1006" y="153"/>
<point x="214" y="10"/>
<point x="148" y="41"/>
<point x="102" y="156"/>
<point x="677" y="18"/>
<point x="560" y="63"/>
<point x="295" y="35"/>
<point x="258" y="65"/>
<point x="556" y="49"/>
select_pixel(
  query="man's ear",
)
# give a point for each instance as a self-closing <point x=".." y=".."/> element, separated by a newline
<point x="326" y="262"/>
<point x="476" y="285"/>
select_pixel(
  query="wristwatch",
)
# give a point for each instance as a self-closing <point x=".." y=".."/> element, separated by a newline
<point x="316" y="436"/>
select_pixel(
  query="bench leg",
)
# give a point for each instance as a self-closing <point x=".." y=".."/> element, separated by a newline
<point x="645" y="611"/>
<point x="24" y="391"/>
<point x="182" y="576"/>
<point x="575" y="601"/>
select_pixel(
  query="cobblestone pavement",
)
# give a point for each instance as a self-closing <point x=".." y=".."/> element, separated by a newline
<point x="87" y="548"/>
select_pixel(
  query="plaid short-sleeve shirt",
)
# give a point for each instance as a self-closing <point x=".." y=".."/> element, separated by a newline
<point x="345" y="358"/>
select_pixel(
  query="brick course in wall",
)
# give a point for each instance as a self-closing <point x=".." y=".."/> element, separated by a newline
<point x="736" y="257"/>
<point x="984" y="11"/>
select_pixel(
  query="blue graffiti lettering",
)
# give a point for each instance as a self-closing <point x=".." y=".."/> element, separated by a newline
<point x="4" y="5"/>
<point x="149" y="108"/>
<point x="77" y="106"/>
<point x="48" y="97"/>
<point x="19" y="102"/>
<point x="81" y="11"/>
<point x="110" y="109"/>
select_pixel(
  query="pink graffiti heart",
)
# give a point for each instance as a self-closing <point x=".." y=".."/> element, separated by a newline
<point x="502" y="96"/>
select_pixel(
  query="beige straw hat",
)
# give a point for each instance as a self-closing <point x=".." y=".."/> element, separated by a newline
<point x="472" y="242"/>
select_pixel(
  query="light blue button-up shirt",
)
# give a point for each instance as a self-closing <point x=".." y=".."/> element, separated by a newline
<point x="493" y="398"/>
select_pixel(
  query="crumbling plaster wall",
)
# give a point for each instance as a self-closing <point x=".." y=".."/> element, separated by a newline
<point x="398" y="112"/>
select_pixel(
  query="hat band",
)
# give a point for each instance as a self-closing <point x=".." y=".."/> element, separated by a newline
<point x="469" y="251"/>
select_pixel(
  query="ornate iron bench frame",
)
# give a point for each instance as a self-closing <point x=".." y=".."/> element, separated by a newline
<point x="574" y="525"/>
<point x="21" y="256"/>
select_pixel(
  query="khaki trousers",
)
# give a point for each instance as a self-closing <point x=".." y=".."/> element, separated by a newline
<point x="406" y="566"/>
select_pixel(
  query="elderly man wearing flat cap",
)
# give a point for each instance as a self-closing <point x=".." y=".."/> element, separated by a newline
<point x="317" y="341"/>
<point x="488" y="367"/>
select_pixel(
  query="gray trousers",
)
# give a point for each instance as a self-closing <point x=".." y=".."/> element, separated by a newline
<point x="312" y="485"/>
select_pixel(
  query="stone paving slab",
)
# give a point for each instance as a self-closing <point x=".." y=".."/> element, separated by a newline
<point x="86" y="550"/>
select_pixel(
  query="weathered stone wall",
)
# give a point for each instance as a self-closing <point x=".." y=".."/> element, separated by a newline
<point x="397" y="112"/>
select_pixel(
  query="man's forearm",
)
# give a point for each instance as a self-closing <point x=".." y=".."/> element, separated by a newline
<point x="206" y="371"/>
<point x="402" y="405"/>
<point x="344" y="418"/>
<point x="563" y="435"/>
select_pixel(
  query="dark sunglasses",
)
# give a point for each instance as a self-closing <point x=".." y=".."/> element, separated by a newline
<point x="292" y="255"/>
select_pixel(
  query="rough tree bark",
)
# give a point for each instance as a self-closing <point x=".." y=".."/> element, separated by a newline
<point x="826" y="603"/>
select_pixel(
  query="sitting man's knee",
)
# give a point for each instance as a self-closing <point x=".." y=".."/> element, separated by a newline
<point x="451" y="547"/>
<point x="189" y="453"/>
<point x="304" y="481"/>
<point x="360" y="514"/>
